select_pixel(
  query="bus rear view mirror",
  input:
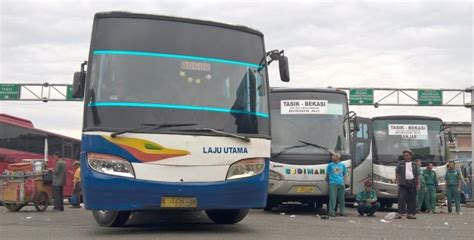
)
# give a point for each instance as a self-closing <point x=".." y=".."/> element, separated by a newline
<point x="284" y="69"/>
<point x="356" y="124"/>
<point x="450" y="137"/>
<point x="78" y="84"/>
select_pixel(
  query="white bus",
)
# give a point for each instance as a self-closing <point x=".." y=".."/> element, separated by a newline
<point x="424" y="136"/>
<point x="307" y="125"/>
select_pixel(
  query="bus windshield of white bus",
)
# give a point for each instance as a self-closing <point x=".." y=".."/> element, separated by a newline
<point x="422" y="137"/>
<point x="314" y="117"/>
<point x="175" y="81"/>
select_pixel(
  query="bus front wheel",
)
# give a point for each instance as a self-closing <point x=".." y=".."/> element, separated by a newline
<point x="227" y="216"/>
<point x="107" y="218"/>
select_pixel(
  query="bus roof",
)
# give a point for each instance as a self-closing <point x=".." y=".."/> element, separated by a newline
<point x="325" y="90"/>
<point x="16" y="120"/>
<point x="27" y="124"/>
<point x="121" y="14"/>
<point x="397" y="117"/>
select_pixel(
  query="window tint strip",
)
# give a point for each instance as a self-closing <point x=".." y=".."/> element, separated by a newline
<point x="175" y="56"/>
<point x="173" y="106"/>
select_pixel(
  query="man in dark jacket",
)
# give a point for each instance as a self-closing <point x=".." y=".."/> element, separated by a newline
<point x="407" y="178"/>
<point x="59" y="180"/>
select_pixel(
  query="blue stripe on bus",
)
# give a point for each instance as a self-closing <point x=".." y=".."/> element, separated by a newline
<point x="173" y="106"/>
<point x="176" y="56"/>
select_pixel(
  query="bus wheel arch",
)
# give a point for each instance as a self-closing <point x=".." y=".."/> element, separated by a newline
<point x="227" y="216"/>
<point x="111" y="218"/>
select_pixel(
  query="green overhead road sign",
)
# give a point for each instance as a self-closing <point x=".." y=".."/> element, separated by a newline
<point x="361" y="96"/>
<point x="69" y="93"/>
<point x="9" y="91"/>
<point x="430" y="97"/>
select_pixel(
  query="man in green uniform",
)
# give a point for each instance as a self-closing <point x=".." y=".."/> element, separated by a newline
<point x="420" y="194"/>
<point x="431" y="182"/>
<point x="453" y="183"/>
<point x="367" y="200"/>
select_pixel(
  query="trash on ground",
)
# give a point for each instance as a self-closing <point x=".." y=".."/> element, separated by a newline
<point x="292" y="216"/>
<point x="384" y="221"/>
<point x="28" y="218"/>
<point x="282" y="213"/>
<point x="390" y="216"/>
<point x="446" y="223"/>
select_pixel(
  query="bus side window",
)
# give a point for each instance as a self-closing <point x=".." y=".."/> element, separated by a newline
<point x="35" y="142"/>
<point x="76" y="151"/>
<point x="67" y="149"/>
<point x="15" y="138"/>
<point x="55" y="144"/>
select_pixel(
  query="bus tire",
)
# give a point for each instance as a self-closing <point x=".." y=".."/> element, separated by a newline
<point x="463" y="198"/>
<point x="270" y="205"/>
<point x="13" y="207"/>
<point x="107" y="218"/>
<point x="227" y="216"/>
<point x="41" y="201"/>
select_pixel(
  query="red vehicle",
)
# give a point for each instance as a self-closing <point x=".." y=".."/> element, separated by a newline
<point x="19" y="140"/>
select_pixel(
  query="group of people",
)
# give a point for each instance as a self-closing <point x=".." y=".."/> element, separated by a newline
<point x="59" y="180"/>
<point x="415" y="188"/>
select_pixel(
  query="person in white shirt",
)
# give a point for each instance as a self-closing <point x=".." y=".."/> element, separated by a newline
<point x="406" y="175"/>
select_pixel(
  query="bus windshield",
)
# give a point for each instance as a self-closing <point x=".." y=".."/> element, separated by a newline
<point x="177" y="84"/>
<point x="422" y="137"/>
<point x="322" y="125"/>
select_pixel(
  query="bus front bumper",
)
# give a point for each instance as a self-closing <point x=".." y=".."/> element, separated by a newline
<point x="297" y="188"/>
<point x="106" y="192"/>
<point x="388" y="190"/>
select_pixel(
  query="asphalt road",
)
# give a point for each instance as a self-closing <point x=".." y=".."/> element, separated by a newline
<point x="296" y="222"/>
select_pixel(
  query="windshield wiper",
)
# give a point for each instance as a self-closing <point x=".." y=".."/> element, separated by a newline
<point x="215" y="131"/>
<point x="150" y="126"/>
<point x="316" y="145"/>
<point x="304" y="144"/>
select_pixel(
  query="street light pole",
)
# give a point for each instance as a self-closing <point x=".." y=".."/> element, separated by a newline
<point x="472" y="146"/>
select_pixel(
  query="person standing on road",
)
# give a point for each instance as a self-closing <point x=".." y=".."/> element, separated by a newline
<point x="453" y="183"/>
<point x="420" y="194"/>
<point x="59" y="180"/>
<point x="77" y="185"/>
<point x="406" y="176"/>
<point x="431" y="181"/>
<point x="336" y="174"/>
<point x="367" y="200"/>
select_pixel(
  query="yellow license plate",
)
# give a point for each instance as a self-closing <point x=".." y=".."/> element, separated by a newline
<point x="305" y="189"/>
<point x="178" y="202"/>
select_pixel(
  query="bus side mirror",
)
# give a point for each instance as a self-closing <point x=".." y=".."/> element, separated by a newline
<point x="284" y="69"/>
<point x="356" y="124"/>
<point x="78" y="84"/>
<point x="450" y="137"/>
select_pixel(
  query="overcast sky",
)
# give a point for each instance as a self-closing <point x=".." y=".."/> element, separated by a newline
<point x="424" y="44"/>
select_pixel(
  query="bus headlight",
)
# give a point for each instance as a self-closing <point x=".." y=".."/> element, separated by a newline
<point x="275" y="175"/>
<point x="441" y="180"/>
<point x="379" y="178"/>
<point x="111" y="165"/>
<point x="246" y="168"/>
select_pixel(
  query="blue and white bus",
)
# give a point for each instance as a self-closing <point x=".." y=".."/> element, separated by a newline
<point x="175" y="117"/>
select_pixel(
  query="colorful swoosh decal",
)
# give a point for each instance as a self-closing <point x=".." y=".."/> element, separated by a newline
<point x="144" y="150"/>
